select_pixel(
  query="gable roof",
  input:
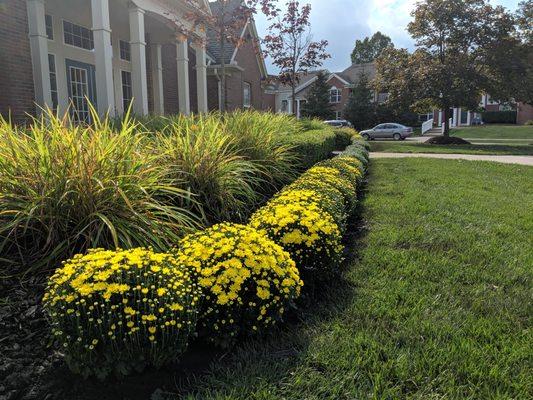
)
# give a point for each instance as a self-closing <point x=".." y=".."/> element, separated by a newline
<point x="353" y="73"/>
<point x="213" y="47"/>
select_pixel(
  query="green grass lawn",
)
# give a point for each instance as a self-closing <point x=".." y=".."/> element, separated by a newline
<point x="410" y="147"/>
<point x="434" y="302"/>
<point x="496" y="132"/>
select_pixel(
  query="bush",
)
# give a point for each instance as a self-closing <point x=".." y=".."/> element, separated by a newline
<point x="120" y="311"/>
<point x="311" y="146"/>
<point x="247" y="280"/>
<point x="344" y="137"/>
<point x="311" y="124"/>
<point x="333" y="177"/>
<point x="304" y="229"/>
<point x="529" y="122"/>
<point x="65" y="189"/>
<point x="499" y="117"/>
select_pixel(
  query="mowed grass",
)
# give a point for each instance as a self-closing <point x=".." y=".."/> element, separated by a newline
<point x="490" y="149"/>
<point x="514" y="132"/>
<point x="434" y="302"/>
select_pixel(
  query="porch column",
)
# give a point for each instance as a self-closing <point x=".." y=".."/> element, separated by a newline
<point x="157" y="80"/>
<point x="201" y="78"/>
<point x="39" y="54"/>
<point x="103" y="57"/>
<point x="138" y="62"/>
<point x="182" y="59"/>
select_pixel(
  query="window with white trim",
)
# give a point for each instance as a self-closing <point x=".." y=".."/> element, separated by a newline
<point x="247" y="95"/>
<point x="49" y="23"/>
<point x="334" y="95"/>
<point x="78" y="36"/>
<point x="284" y="106"/>
<point x="127" y="93"/>
<point x="338" y="114"/>
<point x="125" y="50"/>
<point x="53" y="81"/>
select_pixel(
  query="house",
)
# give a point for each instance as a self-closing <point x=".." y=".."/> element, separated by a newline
<point x="340" y="83"/>
<point x="463" y="117"/>
<point x="61" y="54"/>
<point x="246" y="72"/>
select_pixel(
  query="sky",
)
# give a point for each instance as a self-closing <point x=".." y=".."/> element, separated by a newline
<point x="341" y="22"/>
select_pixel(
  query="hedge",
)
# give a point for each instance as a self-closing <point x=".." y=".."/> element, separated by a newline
<point x="499" y="117"/>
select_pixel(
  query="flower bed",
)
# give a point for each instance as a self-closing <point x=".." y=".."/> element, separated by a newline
<point x="122" y="310"/>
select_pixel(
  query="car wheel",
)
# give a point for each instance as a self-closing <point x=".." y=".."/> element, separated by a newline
<point x="397" y="136"/>
<point x="365" y="136"/>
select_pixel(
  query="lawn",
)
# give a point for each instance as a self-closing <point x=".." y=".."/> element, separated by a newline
<point x="507" y="134"/>
<point x="434" y="302"/>
<point x="410" y="147"/>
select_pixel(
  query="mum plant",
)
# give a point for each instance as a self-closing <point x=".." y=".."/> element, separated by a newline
<point x="248" y="281"/>
<point x="119" y="311"/>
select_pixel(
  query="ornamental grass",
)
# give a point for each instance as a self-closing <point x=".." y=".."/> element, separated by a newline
<point x="114" y="312"/>
<point x="66" y="188"/>
<point x="248" y="281"/>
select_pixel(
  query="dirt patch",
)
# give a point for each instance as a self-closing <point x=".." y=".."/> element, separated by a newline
<point x="447" y="140"/>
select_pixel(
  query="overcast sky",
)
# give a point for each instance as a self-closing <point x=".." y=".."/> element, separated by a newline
<point x="341" y="22"/>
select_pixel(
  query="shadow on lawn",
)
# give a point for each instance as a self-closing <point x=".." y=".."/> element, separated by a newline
<point x="35" y="371"/>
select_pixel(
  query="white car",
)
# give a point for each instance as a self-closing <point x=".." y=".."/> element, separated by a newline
<point x="339" y="123"/>
<point x="388" y="131"/>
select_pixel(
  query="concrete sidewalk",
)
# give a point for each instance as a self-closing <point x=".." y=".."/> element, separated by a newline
<point x="521" y="160"/>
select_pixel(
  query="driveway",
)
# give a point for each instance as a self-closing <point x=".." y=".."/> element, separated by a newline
<point x="521" y="160"/>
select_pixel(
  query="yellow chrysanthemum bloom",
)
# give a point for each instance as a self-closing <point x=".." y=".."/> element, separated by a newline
<point x="241" y="270"/>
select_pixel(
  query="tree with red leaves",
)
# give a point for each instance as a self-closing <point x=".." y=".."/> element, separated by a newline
<point x="290" y="44"/>
<point x="225" y="26"/>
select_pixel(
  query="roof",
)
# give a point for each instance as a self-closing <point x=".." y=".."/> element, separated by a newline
<point x="354" y="71"/>
<point x="213" y="47"/>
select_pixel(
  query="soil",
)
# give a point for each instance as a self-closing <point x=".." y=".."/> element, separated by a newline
<point x="447" y="140"/>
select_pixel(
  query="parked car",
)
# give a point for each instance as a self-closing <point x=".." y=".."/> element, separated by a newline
<point x="476" y="121"/>
<point x="388" y="130"/>
<point x="339" y="123"/>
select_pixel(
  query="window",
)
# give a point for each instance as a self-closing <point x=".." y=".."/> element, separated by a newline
<point x="127" y="94"/>
<point x="79" y="89"/>
<point x="247" y="95"/>
<point x="77" y="35"/>
<point x="338" y="115"/>
<point x="334" y="95"/>
<point x="382" y="97"/>
<point x="53" y="80"/>
<point x="125" y="50"/>
<point x="49" y="23"/>
<point x="284" y="105"/>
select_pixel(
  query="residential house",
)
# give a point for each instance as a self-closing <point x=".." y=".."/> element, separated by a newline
<point x="246" y="72"/>
<point x="340" y="86"/>
<point x="62" y="54"/>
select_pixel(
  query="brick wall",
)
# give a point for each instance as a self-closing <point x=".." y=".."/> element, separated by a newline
<point x="16" y="76"/>
<point x="524" y="113"/>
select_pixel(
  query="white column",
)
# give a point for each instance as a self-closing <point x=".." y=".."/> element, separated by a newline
<point x="138" y="62"/>
<point x="440" y="117"/>
<point x="39" y="54"/>
<point x="182" y="59"/>
<point x="103" y="57"/>
<point x="468" y="117"/>
<point x="201" y="78"/>
<point x="157" y="80"/>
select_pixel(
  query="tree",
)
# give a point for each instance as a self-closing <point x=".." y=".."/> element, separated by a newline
<point x="290" y="45"/>
<point x="459" y="42"/>
<point x="360" y="110"/>
<point x="318" y="105"/>
<point x="368" y="49"/>
<point x="225" y="25"/>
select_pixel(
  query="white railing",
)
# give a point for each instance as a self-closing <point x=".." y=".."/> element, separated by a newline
<point x="427" y="126"/>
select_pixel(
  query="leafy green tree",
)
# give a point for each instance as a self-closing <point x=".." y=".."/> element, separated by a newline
<point x="368" y="49"/>
<point x="318" y="105"/>
<point x="360" y="110"/>
<point x="459" y="43"/>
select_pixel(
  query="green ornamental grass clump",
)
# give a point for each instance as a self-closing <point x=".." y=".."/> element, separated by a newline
<point x="114" y="312"/>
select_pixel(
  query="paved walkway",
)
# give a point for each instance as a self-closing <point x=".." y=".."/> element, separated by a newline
<point x="522" y="160"/>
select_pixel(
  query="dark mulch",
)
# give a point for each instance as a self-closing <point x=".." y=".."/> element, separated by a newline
<point x="447" y="140"/>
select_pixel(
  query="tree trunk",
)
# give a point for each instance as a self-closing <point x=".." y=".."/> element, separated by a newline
<point x="446" y="121"/>
<point x="222" y="105"/>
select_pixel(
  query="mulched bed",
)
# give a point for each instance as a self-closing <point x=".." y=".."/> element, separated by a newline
<point x="447" y="140"/>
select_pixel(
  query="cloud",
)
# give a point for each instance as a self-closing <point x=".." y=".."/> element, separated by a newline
<point x="341" y="22"/>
